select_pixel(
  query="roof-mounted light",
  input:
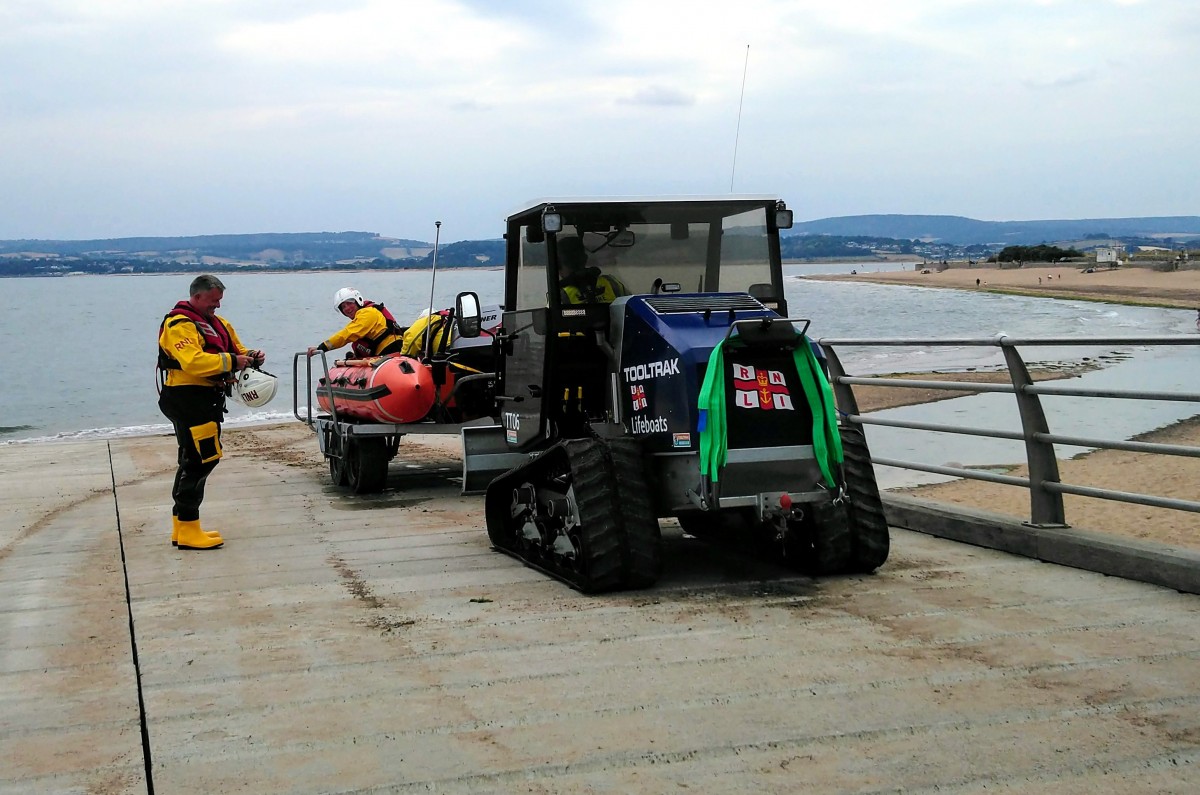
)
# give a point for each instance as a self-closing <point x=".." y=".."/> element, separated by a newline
<point x="783" y="216"/>
<point x="551" y="220"/>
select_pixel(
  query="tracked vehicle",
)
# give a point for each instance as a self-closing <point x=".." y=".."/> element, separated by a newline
<point x="648" y="367"/>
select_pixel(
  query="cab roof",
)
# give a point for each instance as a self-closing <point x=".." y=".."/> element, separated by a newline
<point x="536" y="206"/>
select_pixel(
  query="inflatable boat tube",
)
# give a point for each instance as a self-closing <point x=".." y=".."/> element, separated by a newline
<point x="379" y="389"/>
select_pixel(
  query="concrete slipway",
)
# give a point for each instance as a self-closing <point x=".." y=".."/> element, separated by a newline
<point x="350" y="644"/>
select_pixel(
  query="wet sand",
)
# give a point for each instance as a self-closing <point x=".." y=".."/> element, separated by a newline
<point x="1139" y="286"/>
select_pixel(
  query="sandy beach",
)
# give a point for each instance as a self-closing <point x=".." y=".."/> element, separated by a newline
<point x="1129" y="285"/>
<point x="1176" y="476"/>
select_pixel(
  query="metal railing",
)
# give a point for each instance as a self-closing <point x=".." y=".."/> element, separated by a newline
<point x="1046" y="489"/>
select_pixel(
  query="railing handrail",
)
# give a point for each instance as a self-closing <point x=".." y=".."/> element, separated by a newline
<point x="1032" y="389"/>
<point x="1045" y="486"/>
<point x="1006" y="340"/>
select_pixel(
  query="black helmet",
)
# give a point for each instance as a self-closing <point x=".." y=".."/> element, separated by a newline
<point x="572" y="256"/>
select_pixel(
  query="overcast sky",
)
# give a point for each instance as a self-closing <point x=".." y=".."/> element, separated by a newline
<point x="180" y="117"/>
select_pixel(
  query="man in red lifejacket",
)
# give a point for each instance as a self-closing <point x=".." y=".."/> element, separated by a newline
<point x="372" y="331"/>
<point x="198" y="352"/>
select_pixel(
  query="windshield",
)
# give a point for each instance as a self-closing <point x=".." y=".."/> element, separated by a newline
<point x="646" y="247"/>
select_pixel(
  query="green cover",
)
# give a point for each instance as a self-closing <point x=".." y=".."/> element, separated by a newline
<point x="714" y="445"/>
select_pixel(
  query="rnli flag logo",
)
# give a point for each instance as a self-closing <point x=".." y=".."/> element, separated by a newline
<point x="639" y="396"/>
<point x="756" y="388"/>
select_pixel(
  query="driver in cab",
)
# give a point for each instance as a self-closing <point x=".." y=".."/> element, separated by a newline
<point x="580" y="284"/>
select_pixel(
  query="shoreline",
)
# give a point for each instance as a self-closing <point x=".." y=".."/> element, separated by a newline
<point x="1130" y="285"/>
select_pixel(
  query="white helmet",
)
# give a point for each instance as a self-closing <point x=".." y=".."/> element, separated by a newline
<point x="255" y="388"/>
<point x="346" y="294"/>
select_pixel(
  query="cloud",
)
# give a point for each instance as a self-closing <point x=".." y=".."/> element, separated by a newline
<point x="660" y="96"/>
<point x="133" y="117"/>
<point x="1061" y="81"/>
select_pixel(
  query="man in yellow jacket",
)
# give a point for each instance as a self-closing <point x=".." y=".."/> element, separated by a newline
<point x="581" y="284"/>
<point x="372" y="331"/>
<point x="198" y="352"/>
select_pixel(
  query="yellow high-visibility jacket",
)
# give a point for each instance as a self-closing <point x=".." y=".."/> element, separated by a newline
<point x="368" y="323"/>
<point x="183" y="343"/>
<point x="414" y="336"/>
<point x="604" y="289"/>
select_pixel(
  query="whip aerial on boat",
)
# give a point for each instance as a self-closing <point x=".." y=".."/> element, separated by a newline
<point x="437" y="235"/>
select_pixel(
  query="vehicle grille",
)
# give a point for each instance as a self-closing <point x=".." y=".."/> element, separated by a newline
<point x="679" y="304"/>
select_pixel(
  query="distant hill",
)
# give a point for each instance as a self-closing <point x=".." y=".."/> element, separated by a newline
<point x="224" y="253"/>
<point x="853" y="236"/>
<point x="263" y="247"/>
<point x="955" y="229"/>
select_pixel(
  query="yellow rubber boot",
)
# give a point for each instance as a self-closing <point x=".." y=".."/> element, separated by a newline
<point x="175" y="531"/>
<point x="191" y="536"/>
<point x="210" y="533"/>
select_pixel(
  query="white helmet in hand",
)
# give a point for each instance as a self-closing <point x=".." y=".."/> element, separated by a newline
<point x="346" y="294"/>
<point x="255" y="388"/>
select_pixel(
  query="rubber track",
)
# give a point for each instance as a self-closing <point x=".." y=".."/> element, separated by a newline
<point x="832" y="547"/>
<point x="600" y="534"/>
<point x="599" y="524"/>
<point x="497" y="500"/>
<point x="870" y="536"/>
<point x="631" y="502"/>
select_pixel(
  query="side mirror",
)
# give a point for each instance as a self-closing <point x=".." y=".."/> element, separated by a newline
<point x="467" y="314"/>
<point x="783" y="219"/>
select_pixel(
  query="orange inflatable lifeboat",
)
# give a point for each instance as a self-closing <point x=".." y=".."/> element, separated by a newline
<point x="380" y="389"/>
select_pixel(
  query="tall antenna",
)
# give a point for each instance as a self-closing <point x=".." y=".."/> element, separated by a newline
<point x="736" y="134"/>
<point x="437" y="236"/>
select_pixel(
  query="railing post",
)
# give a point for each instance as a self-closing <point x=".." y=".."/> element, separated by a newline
<point x="1045" y="506"/>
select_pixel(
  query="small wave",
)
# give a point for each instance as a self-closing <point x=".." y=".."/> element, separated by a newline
<point x="96" y="433"/>
<point x="263" y="417"/>
<point x="14" y="428"/>
<point x="156" y="429"/>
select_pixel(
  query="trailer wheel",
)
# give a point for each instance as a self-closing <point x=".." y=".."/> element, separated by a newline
<point x="336" y="454"/>
<point x="366" y="464"/>
<point x="337" y="471"/>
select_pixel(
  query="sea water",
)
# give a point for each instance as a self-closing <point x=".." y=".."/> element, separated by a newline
<point x="80" y="355"/>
